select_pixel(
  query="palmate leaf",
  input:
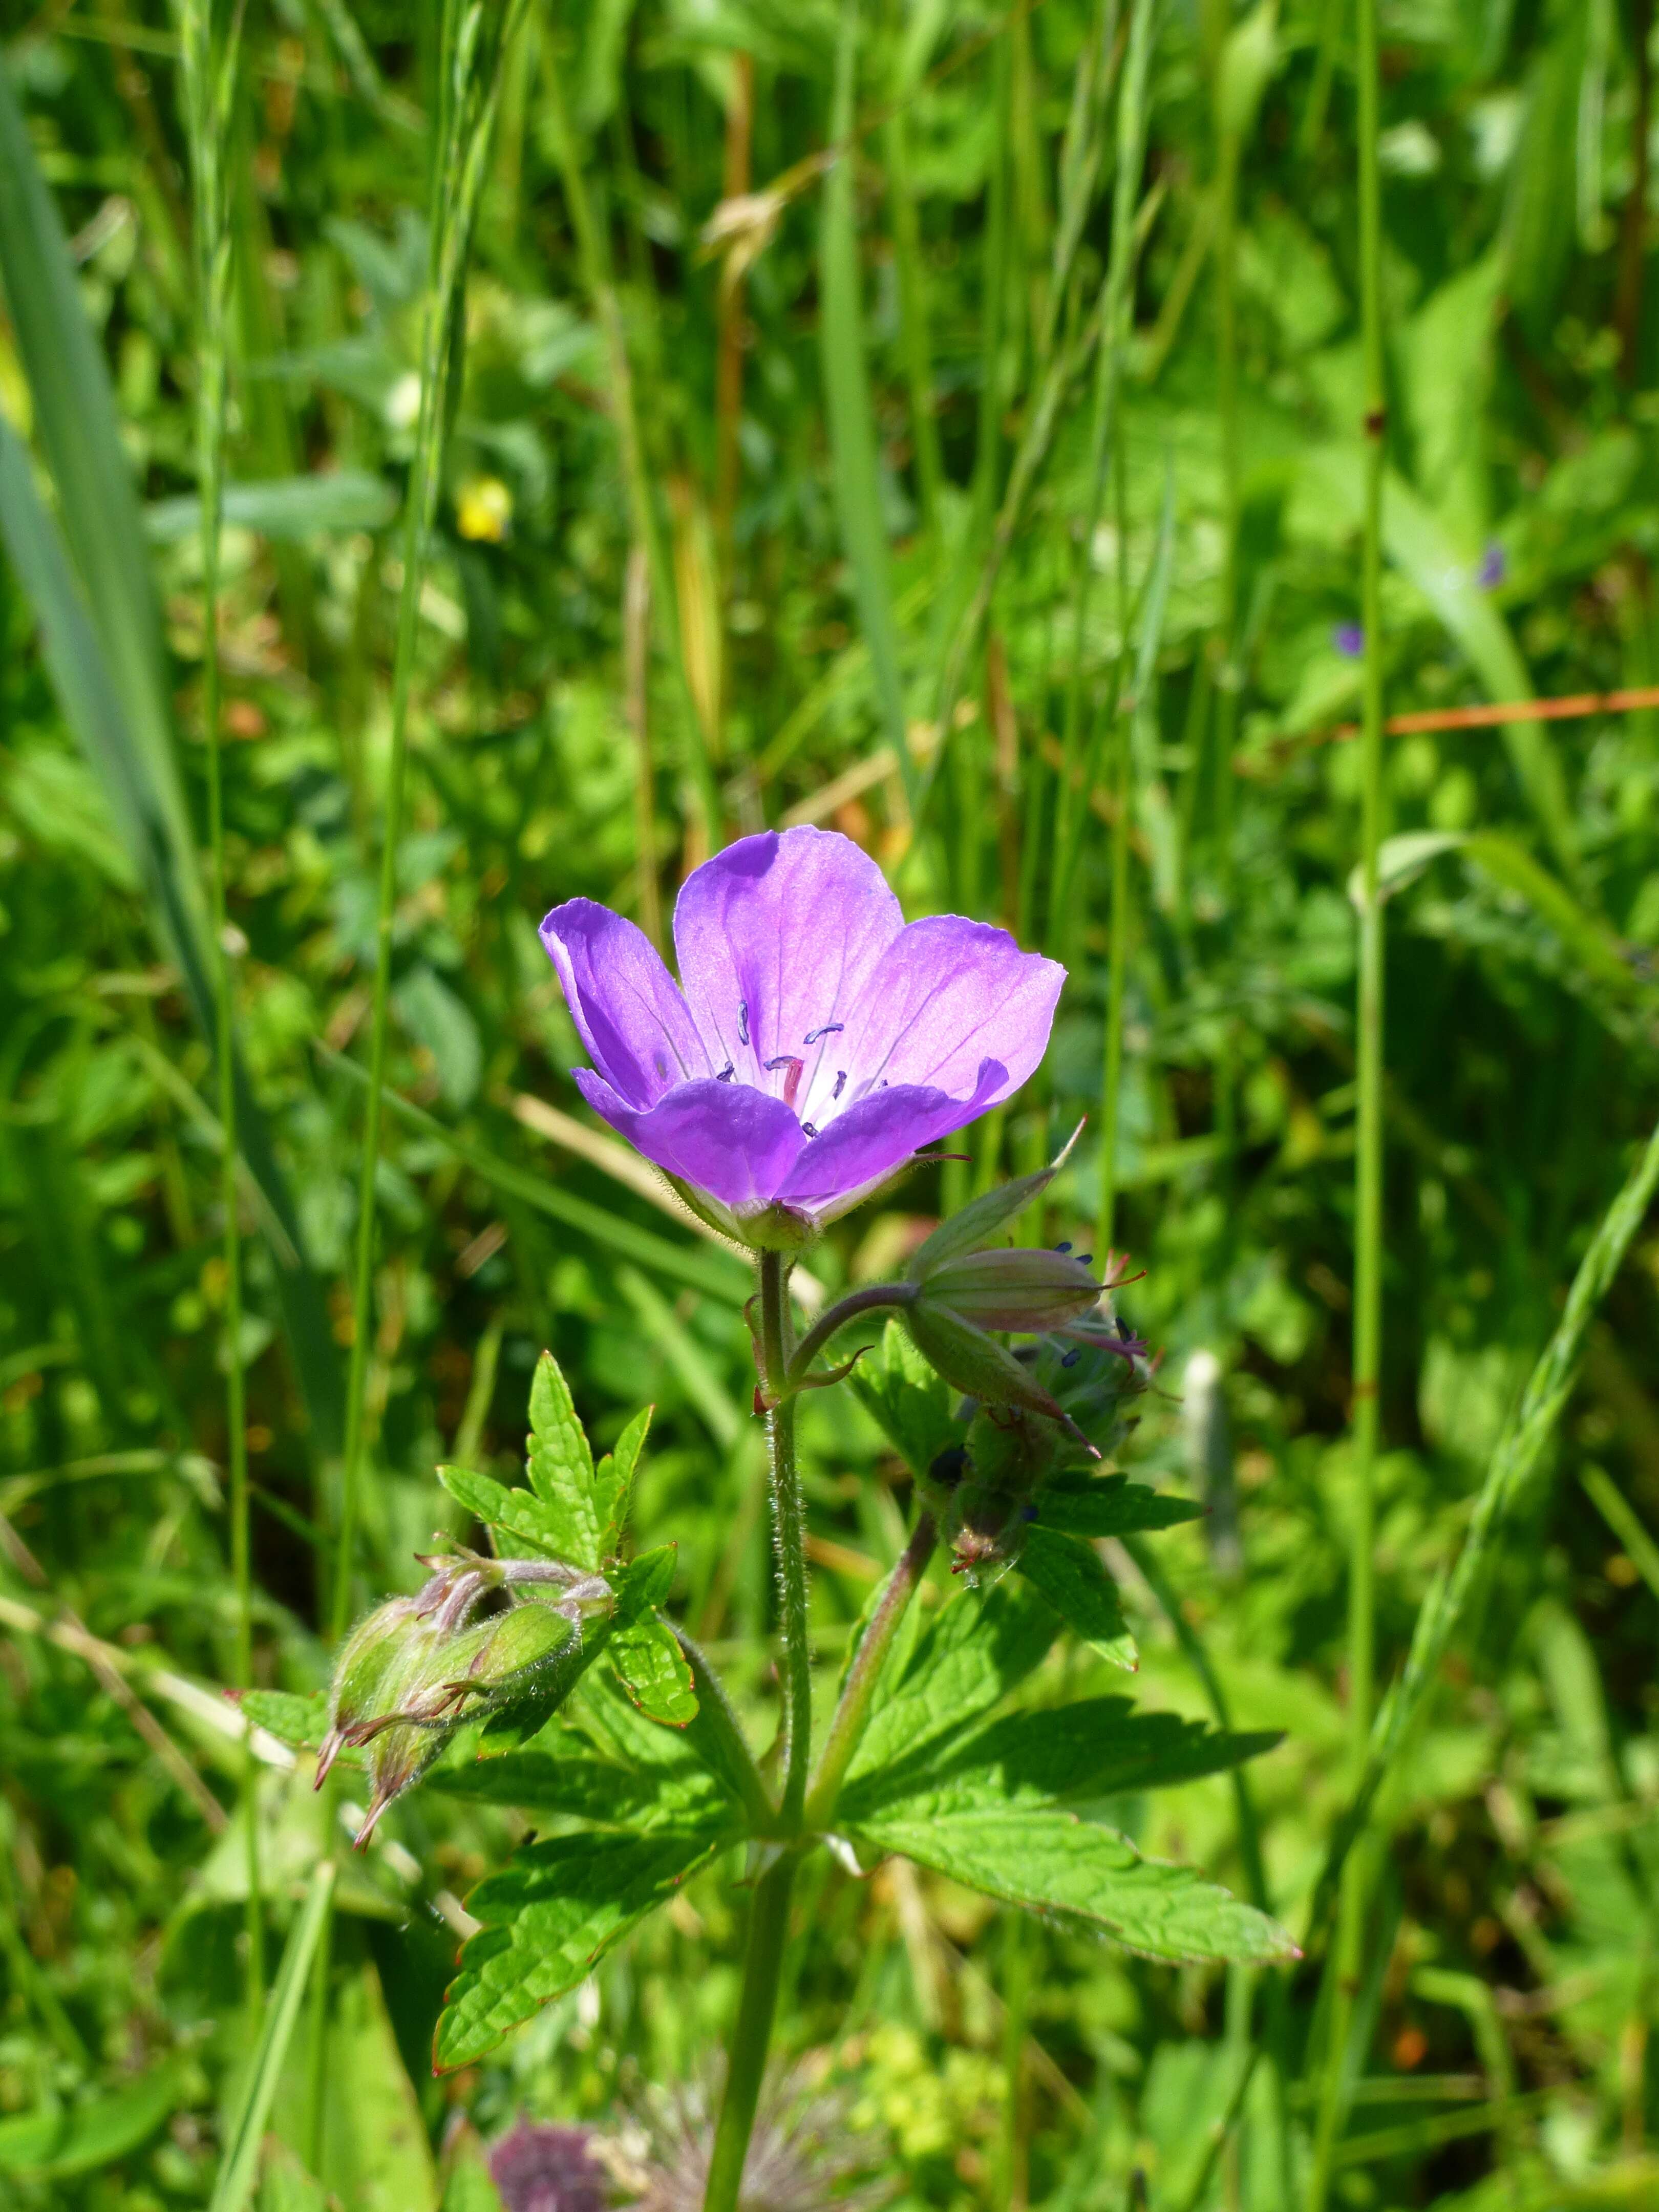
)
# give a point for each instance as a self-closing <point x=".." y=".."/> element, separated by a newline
<point x="911" y="1402"/>
<point x="613" y="1482"/>
<point x="972" y="1656"/>
<point x="1090" y="1750"/>
<point x="599" y="1791"/>
<point x="547" y="1918"/>
<point x="515" y="1512"/>
<point x="1081" y="1505"/>
<point x="1050" y="1861"/>
<point x="560" y="1467"/>
<point x="1071" y="1576"/>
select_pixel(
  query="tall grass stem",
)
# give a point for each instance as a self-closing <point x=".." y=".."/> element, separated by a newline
<point x="209" y="55"/>
<point x="1346" y="1957"/>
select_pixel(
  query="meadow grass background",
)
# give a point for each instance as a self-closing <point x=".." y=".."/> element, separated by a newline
<point x="944" y="424"/>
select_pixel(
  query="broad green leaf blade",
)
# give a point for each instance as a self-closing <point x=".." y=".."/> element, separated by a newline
<point x="283" y="506"/>
<point x="517" y="1511"/>
<point x="645" y="1582"/>
<point x="910" y="1402"/>
<point x="561" y="1466"/>
<point x="651" y="1669"/>
<point x="972" y="1656"/>
<point x="301" y="1723"/>
<point x="1053" y="1862"/>
<point x="1081" y="1505"/>
<point x="1082" y="1752"/>
<point x="248" y="2123"/>
<point x="613" y="1483"/>
<point x="599" y="1791"/>
<point x="547" y="1918"/>
<point x="1071" y="1576"/>
<point x="72" y="2139"/>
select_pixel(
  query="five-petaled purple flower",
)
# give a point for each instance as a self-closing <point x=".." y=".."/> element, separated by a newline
<point x="819" y="1042"/>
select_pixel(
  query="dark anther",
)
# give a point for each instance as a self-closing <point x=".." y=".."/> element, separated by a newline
<point x="840" y="1083"/>
<point x="807" y="1130"/>
<point x="743" y="1021"/>
<point x="829" y="1029"/>
<point x="1071" y="1358"/>
<point x="1376" y="420"/>
<point x="950" y="1465"/>
<point x="1062" y="1248"/>
<point x="1085" y="1259"/>
<point x="1125" y="1331"/>
<point x="727" y="1074"/>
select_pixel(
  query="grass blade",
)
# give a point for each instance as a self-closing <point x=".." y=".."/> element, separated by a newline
<point x="238" y="2169"/>
<point x="852" y="419"/>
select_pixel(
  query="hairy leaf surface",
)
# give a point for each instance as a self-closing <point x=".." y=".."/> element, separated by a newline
<point x="1051" y="1862"/>
<point x="1079" y="1504"/>
<point x="560" y="1467"/>
<point x="1071" y="1576"/>
<point x="547" y="1917"/>
<point x="971" y="1657"/>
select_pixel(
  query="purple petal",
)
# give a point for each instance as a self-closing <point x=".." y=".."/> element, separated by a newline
<point x="777" y="938"/>
<point x="624" y="1002"/>
<point x="948" y="996"/>
<point x="870" y="1140"/>
<point x="737" y="1144"/>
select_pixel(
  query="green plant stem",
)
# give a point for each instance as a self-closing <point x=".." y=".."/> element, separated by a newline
<point x="751" y="2032"/>
<point x="789" y="1533"/>
<point x="872" y="1299"/>
<point x="1112" y="1077"/>
<point x="853" y="1708"/>
<point x="210" y="78"/>
<point x="1347" y="1956"/>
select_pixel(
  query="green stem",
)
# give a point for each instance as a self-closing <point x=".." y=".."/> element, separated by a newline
<point x="1347" y="1956"/>
<point x="751" y="2034"/>
<point x="209" y="91"/>
<point x="854" y="1708"/>
<point x="789" y="1533"/>
<point x="1117" y="964"/>
<point x="870" y="1299"/>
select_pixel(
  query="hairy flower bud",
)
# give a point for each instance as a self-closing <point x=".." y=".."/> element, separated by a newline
<point x="974" y="1363"/>
<point x="1030" y="1290"/>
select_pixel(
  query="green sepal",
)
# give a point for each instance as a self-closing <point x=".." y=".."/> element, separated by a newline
<point x="972" y="1229"/>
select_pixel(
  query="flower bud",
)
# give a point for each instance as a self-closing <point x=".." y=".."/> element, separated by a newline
<point x="1033" y="1291"/>
<point x="974" y="1363"/>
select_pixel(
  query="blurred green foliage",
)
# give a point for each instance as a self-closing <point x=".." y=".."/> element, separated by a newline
<point x="1515" y="1943"/>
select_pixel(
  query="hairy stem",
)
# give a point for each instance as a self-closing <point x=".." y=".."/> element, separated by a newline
<point x="751" y="2034"/>
<point x="854" y="1708"/>
<point x="715" y="1707"/>
<point x="869" y="1300"/>
<point x="789" y="1532"/>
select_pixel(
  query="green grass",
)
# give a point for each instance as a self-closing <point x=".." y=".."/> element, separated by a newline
<point x="1053" y="508"/>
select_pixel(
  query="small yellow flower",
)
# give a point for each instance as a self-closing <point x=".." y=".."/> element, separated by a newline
<point x="483" y="510"/>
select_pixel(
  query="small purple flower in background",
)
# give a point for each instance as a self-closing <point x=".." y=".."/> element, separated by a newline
<point x="816" y="1042"/>
<point x="1493" y="567"/>
<point x="544" y="2169"/>
<point x="1349" y="639"/>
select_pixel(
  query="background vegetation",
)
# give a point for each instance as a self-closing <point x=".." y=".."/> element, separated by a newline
<point x="975" y="492"/>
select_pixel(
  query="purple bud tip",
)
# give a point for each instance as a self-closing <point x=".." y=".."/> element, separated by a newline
<point x="1493" y="567"/>
<point x="1349" y="639"/>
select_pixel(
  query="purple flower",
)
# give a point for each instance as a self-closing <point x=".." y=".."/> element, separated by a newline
<point x="1493" y="567"/>
<point x="819" y="1042"/>
<point x="540" y="2169"/>
<point x="1349" y="639"/>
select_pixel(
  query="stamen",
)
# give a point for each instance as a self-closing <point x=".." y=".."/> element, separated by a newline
<point x="743" y="1021"/>
<point x="1070" y="1358"/>
<point x="840" y="1083"/>
<point x="792" y="1081"/>
<point x="829" y="1029"/>
<point x="727" y="1074"/>
<point x="807" y="1130"/>
<point x="1062" y="1248"/>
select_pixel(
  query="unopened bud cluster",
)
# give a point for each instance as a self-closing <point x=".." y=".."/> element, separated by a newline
<point x="418" y="1667"/>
